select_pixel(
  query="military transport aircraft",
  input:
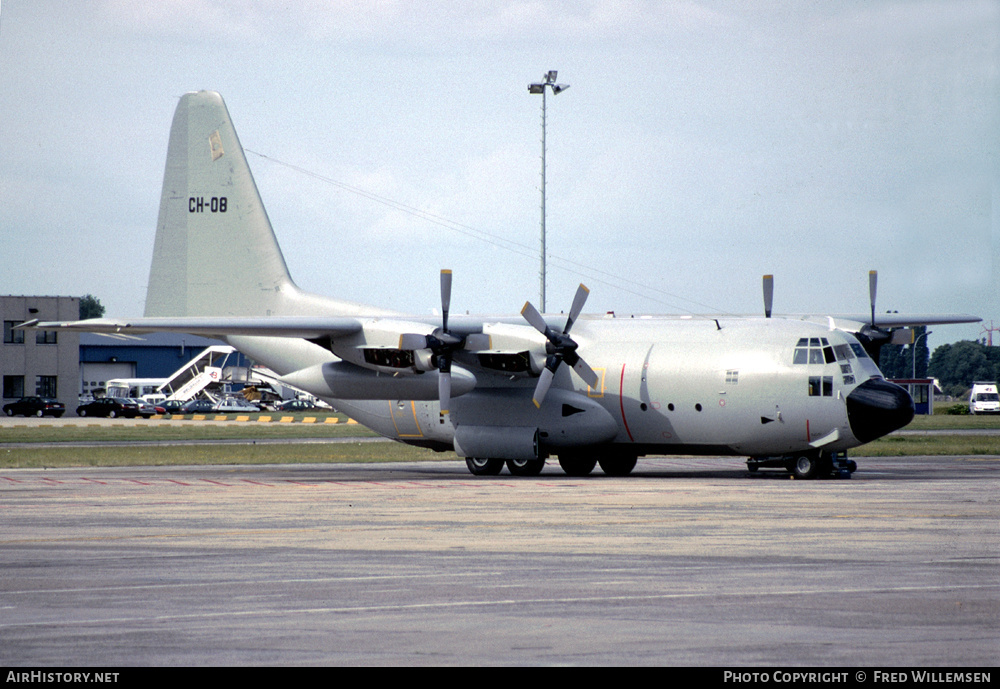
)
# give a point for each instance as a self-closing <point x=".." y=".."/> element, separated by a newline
<point x="794" y="392"/>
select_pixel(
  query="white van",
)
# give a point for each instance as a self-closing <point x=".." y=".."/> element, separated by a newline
<point x="984" y="398"/>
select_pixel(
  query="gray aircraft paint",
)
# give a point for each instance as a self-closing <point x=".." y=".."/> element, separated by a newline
<point x="666" y="384"/>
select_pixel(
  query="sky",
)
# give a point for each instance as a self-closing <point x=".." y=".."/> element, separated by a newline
<point x="701" y="144"/>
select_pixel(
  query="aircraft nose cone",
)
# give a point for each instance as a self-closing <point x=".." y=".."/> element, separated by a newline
<point x="878" y="407"/>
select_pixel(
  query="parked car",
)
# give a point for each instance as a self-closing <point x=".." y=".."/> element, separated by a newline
<point x="35" y="406"/>
<point x="146" y="410"/>
<point x="235" y="405"/>
<point x="110" y="407"/>
<point x="295" y="405"/>
<point x="173" y="407"/>
<point x="197" y="407"/>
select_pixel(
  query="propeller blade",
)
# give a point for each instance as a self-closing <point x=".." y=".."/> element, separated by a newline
<point x="444" y="391"/>
<point x="534" y="318"/>
<point x="585" y="372"/>
<point x="578" y="301"/>
<point x="542" y="389"/>
<point x="560" y="346"/>
<point x="872" y="286"/>
<point x="445" y="297"/>
<point x="768" y="294"/>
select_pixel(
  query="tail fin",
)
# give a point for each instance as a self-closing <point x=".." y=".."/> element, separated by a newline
<point x="215" y="252"/>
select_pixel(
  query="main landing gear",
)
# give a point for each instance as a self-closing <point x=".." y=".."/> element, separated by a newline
<point x="488" y="466"/>
<point x="808" y="465"/>
<point x="572" y="463"/>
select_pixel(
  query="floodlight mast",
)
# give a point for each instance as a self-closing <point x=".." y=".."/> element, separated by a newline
<point x="923" y="334"/>
<point x="539" y="87"/>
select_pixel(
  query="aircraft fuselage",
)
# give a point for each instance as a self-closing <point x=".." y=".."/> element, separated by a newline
<point x="737" y="386"/>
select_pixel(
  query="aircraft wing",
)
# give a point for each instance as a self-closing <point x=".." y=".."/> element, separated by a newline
<point x="307" y="327"/>
<point x="899" y="320"/>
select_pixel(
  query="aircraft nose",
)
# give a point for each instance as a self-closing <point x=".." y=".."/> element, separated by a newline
<point x="878" y="407"/>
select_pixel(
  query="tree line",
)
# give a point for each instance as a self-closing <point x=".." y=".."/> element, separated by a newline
<point x="956" y="366"/>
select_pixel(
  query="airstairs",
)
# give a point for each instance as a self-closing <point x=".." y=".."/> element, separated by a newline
<point x="198" y="374"/>
<point x="261" y="379"/>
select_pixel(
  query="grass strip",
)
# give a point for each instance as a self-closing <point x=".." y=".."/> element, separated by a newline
<point x="62" y="433"/>
<point x="936" y="445"/>
<point x="201" y="455"/>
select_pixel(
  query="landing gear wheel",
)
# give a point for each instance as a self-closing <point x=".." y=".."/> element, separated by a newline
<point x="575" y="465"/>
<point x="811" y="466"/>
<point x="484" y="466"/>
<point x="618" y="466"/>
<point x="525" y="467"/>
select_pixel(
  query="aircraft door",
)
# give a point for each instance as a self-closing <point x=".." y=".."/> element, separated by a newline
<point x="404" y="419"/>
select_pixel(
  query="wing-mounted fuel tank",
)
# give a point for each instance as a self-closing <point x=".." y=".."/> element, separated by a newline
<point x="503" y="423"/>
<point x="341" y="380"/>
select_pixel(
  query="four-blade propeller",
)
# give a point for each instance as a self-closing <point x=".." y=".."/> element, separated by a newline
<point x="560" y="346"/>
<point x="441" y="342"/>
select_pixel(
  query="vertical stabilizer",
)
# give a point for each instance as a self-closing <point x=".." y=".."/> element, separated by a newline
<point x="215" y="252"/>
<point x="213" y="233"/>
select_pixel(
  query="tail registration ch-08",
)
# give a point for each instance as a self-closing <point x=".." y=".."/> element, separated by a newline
<point x="199" y="204"/>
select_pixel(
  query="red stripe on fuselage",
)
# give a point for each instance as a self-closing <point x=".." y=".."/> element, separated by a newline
<point x="621" y="403"/>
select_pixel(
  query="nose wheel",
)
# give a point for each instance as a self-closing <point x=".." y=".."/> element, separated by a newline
<point x="807" y="465"/>
<point x="810" y="466"/>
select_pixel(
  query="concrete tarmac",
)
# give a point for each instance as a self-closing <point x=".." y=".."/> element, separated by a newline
<point x="686" y="562"/>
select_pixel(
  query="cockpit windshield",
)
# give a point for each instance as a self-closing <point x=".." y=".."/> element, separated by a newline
<point x="817" y="350"/>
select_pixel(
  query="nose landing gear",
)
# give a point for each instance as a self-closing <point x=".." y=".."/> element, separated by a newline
<point x="808" y="465"/>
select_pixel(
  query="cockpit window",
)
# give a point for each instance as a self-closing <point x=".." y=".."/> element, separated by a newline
<point x="843" y="351"/>
<point x="859" y="351"/>
<point x="813" y="350"/>
<point x="820" y="386"/>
